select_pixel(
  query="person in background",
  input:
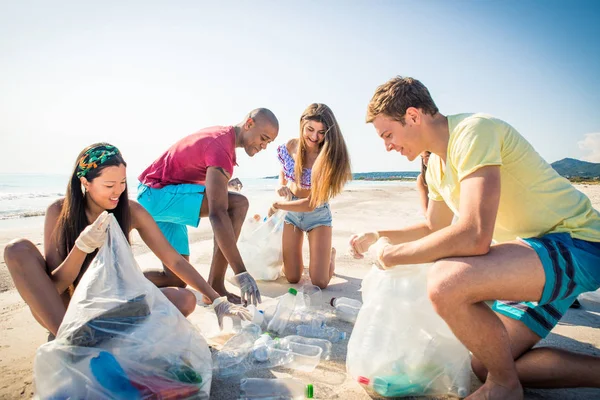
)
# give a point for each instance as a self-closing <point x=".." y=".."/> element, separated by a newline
<point x="76" y="226"/>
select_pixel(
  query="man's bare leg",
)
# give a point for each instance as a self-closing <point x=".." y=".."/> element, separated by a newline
<point x="237" y="210"/>
<point x="544" y="367"/>
<point x="458" y="288"/>
<point x="164" y="277"/>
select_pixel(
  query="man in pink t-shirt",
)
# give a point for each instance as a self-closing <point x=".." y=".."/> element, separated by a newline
<point x="190" y="181"/>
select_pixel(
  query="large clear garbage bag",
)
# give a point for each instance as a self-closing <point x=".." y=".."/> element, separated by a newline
<point x="399" y="345"/>
<point x="260" y="247"/>
<point x="121" y="338"/>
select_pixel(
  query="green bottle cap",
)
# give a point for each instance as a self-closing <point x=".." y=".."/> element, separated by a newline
<point x="292" y="291"/>
<point x="309" y="391"/>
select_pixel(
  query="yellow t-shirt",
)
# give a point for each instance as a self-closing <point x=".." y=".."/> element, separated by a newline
<point x="534" y="199"/>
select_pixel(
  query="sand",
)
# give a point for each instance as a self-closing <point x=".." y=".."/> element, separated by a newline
<point x="353" y="211"/>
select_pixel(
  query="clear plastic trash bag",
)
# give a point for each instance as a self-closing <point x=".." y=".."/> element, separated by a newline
<point x="399" y="345"/>
<point x="260" y="247"/>
<point x="121" y="338"/>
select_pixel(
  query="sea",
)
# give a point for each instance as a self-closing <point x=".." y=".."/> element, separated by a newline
<point x="25" y="197"/>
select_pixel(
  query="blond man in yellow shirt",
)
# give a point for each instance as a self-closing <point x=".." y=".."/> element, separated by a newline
<point x="547" y="233"/>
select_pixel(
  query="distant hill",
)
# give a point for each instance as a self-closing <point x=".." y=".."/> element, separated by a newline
<point x="571" y="168"/>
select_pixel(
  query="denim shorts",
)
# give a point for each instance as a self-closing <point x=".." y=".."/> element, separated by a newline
<point x="173" y="207"/>
<point x="307" y="221"/>
<point x="571" y="266"/>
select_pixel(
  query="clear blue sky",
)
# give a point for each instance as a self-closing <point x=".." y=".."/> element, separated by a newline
<point x="142" y="74"/>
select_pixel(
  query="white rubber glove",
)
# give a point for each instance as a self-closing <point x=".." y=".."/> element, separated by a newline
<point x="376" y="252"/>
<point x="359" y="244"/>
<point x="248" y="288"/>
<point x="224" y="308"/>
<point x="94" y="235"/>
<point x="235" y="184"/>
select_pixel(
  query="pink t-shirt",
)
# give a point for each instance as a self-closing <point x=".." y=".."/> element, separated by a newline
<point x="188" y="159"/>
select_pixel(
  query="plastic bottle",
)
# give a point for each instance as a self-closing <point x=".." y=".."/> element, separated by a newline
<point x="395" y="385"/>
<point x="258" y="316"/>
<point x="237" y="348"/>
<point x="260" y="349"/>
<point x="346" y="309"/>
<point x="308" y="317"/>
<point x="324" y="332"/>
<point x="282" y="388"/>
<point x="324" y="344"/>
<point x="284" y="310"/>
<point x="109" y="373"/>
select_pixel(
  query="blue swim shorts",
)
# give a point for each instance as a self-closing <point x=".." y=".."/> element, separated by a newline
<point x="173" y="207"/>
<point x="572" y="267"/>
<point x="307" y="221"/>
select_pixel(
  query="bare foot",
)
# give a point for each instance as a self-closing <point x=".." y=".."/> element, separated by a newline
<point x="232" y="298"/>
<point x="492" y="391"/>
<point x="332" y="263"/>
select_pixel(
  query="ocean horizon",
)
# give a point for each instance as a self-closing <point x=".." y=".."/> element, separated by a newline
<point x="28" y="195"/>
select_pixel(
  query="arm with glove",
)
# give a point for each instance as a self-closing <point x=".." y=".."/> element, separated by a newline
<point x="90" y="239"/>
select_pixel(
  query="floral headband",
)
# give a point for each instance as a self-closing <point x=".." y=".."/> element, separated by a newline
<point x="95" y="157"/>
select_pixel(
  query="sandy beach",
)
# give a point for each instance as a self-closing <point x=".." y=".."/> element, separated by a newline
<point x="384" y="206"/>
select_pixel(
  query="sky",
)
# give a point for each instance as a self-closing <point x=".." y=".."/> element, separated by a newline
<point x="143" y="74"/>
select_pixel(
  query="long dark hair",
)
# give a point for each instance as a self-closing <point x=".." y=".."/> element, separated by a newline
<point x="73" y="220"/>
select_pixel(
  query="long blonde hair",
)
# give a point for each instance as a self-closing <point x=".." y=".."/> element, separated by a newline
<point x="332" y="169"/>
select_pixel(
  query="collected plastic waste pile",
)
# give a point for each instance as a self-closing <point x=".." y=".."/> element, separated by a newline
<point x="121" y="338"/>
<point x="399" y="345"/>
<point x="252" y="349"/>
<point x="293" y="334"/>
<point x="260" y="246"/>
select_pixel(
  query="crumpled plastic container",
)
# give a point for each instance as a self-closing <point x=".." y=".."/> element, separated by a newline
<point x="121" y="338"/>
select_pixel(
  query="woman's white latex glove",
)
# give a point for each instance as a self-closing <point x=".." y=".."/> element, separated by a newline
<point x="94" y="235"/>
<point x="359" y="244"/>
<point x="224" y="308"/>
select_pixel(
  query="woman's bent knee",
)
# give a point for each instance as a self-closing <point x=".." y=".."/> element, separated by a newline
<point x="321" y="282"/>
<point x="188" y="303"/>
<point x="17" y="248"/>
<point x="21" y="256"/>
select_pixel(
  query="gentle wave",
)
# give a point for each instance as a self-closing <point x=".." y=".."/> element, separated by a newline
<point x="22" y="214"/>
<point x="30" y="195"/>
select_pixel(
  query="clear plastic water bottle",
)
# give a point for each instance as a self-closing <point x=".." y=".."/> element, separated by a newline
<point x="284" y="310"/>
<point x="258" y="316"/>
<point x="324" y="332"/>
<point x="260" y="350"/>
<point x="238" y="347"/>
<point x="282" y="388"/>
<point x="324" y="344"/>
<point x="395" y="385"/>
<point x="346" y="309"/>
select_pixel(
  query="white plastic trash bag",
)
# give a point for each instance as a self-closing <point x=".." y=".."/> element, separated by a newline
<point x="121" y="338"/>
<point x="399" y="345"/>
<point x="260" y="247"/>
